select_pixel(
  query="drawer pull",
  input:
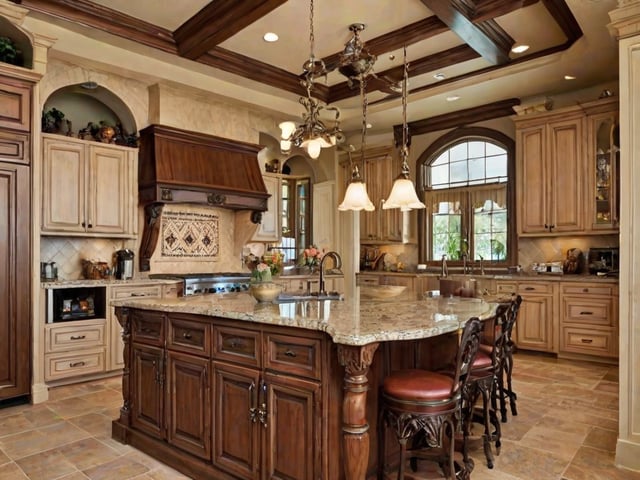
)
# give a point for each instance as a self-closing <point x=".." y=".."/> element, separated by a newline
<point x="290" y="353"/>
<point x="147" y="330"/>
<point x="529" y="288"/>
<point x="234" y="343"/>
<point x="586" y="313"/>
<point x="586" y="340"/>
<point x="186" y="335"/>
<point x="77" y="337"/>
<point x="76" y="364"/>
<point x="138" y="294"/>
<point x="585" y="290"/>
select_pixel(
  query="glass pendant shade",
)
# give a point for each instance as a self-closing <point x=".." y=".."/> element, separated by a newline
<point x="287" y="129"/>
<point x="313" y="147"/>
<point x="403" y="196"/>
<point x="356" y="197"/>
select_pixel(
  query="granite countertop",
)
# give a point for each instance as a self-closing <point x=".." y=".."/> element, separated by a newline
<point x="523" y="276"/>
<point x="83" y="282"/>
<point x="349" y="322"/>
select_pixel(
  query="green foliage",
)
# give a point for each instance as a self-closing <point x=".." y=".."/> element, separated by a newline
<point x="9" y="53"/>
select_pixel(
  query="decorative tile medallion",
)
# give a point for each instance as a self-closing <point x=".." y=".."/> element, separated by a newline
<point x="190" y="234"/>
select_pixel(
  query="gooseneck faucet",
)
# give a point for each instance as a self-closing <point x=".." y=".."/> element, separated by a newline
<point x="444" y="271"/>
<point x="337" y="264"/>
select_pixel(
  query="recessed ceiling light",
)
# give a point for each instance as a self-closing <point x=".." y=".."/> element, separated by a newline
<point x="369" y="125"/>
<point x="439" y="76"/>
<point x="569" y="77"/>
<point x="453" y="98"/>
<point x="270" y="37"/>
<point x="520" y="48"/>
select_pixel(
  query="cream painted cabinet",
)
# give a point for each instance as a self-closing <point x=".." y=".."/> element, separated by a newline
<point x="270" y="229"/>
<point x="88" y="188"/>
<point x="550" y="173"/>
<point x="537" y="326"/>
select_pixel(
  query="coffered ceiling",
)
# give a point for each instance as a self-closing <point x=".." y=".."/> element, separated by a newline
<point x="467" y="42"/>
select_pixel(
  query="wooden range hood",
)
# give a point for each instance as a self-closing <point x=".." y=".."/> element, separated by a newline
<point x="179" y="166"/>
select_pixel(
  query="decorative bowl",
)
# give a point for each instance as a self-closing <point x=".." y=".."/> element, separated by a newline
<point x="265" y="291"/>
<point x="381" y="292"/>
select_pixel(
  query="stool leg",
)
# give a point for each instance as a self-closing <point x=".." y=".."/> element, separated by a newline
<point x="486" y="441"/>
<point x="510" y="392"/>
<point x="403" y="455"/>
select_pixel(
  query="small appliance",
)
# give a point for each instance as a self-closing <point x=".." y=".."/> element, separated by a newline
<point x="48" y="271"/>
<point x="124" y="264"/>
<point x="604" y="261"/>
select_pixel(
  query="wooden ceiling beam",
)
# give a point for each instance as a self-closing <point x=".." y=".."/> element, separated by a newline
<point x="218" y="21"/>
<point x="460" y="118"/>
<point x="482" y="39"/>
<point x="490" y="9"/>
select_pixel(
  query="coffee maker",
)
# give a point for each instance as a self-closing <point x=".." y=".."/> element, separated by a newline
<point x="124" y="264"/>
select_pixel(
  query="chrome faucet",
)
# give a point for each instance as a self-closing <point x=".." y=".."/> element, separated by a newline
<point x="481" y="265"/>
<point x="444" y="271"/>
<point x="465" y="265"/>
<point x="337" y="264"/>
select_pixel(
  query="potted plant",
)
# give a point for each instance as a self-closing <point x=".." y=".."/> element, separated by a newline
<point x="9" y="53"/>
<point x="52" y="121"/>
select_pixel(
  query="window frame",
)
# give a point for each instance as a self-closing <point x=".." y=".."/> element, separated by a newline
<point x="431" y="154"/>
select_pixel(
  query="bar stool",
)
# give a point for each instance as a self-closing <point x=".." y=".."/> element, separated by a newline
<point x="423" y="407"/>
<point x="483" y="382"/>
<point x="506" y="367"/>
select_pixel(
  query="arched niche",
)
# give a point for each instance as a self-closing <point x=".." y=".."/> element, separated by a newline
<point x="295" y="163"/>
<point x="88" y="102"/>
<point x="20" y="40"/>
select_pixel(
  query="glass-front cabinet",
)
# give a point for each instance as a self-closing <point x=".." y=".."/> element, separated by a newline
<point x="604" y="164"/>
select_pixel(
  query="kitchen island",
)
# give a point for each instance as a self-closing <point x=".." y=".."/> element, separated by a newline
<point x="220" y="386"/>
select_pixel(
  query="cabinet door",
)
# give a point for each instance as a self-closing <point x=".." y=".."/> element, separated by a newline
<point x="236" y="436"/>
<point x="63" y="186"/>
<point x="534" y="326"/>
<point x="269" y="229"/>
<point x="532" y="174"/>
<point x="15" y="329"/>
<point x="147" y="396"/>
<point x="15" y="104"/>
<point x="189" y="404"/>
<point x="108" y="190"/>
<point x="292" y="438"/>
<point x="566" y="204"/>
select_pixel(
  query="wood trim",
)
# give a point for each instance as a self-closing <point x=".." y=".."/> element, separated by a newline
<point x="488" y="9"/>
<point x="489" y="111"/>
<point x="217" y="22"/>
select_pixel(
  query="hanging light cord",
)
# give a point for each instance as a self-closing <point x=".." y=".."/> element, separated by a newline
<point x="365" y="103"/>
<point x="404" y="150"/>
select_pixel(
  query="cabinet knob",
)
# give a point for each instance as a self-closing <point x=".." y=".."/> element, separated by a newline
<point x="186" y="335"/>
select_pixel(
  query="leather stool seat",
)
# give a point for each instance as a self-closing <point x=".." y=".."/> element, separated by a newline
<point x="418" y="386"/>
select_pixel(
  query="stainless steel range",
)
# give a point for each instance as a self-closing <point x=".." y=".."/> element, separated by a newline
<point x="201" y="283"/>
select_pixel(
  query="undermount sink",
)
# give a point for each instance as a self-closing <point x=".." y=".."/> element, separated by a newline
<point x="286" y="297"/>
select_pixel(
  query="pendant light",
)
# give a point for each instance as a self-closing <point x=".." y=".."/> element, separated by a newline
<point x="403" y="193"/>
<point x="356" y="197"/>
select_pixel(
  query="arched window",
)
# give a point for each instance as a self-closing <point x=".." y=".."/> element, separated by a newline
<point x="466" y="179"/>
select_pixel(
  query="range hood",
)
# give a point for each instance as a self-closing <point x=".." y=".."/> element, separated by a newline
<point x="179" y="166"/>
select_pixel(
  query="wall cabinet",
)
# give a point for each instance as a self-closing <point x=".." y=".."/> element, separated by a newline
<point x="537" y="324"/>
<point x="589" y="319"/>
<point x="567" y="166"/>
<point x="550" y="173"/>
<point x="88" y="188"/>
<point x="270" y="229"/>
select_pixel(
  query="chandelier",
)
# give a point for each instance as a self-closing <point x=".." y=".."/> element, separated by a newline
<point x="313" y="134"/>
<point x="403" y="193"/>
<point x="356" y="197"/>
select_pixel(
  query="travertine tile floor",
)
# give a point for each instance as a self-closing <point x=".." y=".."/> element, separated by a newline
<point x="566" y="429"/>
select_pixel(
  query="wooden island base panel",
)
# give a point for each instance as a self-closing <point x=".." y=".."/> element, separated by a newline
<point x="228" y="388"/>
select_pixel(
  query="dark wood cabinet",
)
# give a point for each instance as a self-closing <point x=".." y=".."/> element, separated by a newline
<point x="148" y="390"/>
<point x="236" y="425"/>
<point x="189" y="403"/>
<point x="15" y="284"/>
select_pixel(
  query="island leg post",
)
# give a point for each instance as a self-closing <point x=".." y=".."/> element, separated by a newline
<point x="355" y="429"/>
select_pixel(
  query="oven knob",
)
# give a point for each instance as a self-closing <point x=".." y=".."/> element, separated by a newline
<point x="197" y="290"/>
<point x="211" y="290"/>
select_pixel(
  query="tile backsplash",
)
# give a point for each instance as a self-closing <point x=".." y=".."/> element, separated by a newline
<point x="69" y="252"/>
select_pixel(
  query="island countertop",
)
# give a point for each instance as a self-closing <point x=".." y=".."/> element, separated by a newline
<point x="353" y="321"/>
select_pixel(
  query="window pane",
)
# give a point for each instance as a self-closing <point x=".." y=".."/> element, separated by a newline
<point x="458" y="152"/>
<point x="493" y="149"/>
<point x="440" y="175"/>
<point x="476" y="149"/>
<point x="497" y="166"/>
<point x="458" y="172"/>
<point x="476" y="169"/>
<point x="446" y="236"/>
<point x="442" y="159"/>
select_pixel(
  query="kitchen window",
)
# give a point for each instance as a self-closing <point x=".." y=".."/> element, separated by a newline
<point x="466" y="187"/>
<point x="296" y="217"/>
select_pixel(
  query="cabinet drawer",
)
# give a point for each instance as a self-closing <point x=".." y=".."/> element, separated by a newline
<point x="236" y="345"/>
<point x="590" y="342"/>
<point x="507" y="288"/>
<point x="71" y="364"/>
<point x="586" y="311"/>
<point x="293" y="355"/>
<point x="15" y="104"/>
<point x="607" y="290"/>
<point x="140" y="291"/>
<point x="368" y="279"/>
<point x="535" y="287"/>
<point x="188" y="336"/>
<point x="74" y="336"/>
<point x="14" y="147"/>
<point x="147" y="329"/>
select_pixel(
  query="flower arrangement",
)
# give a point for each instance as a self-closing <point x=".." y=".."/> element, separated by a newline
<point x="274" y="259"/>
<point x="262" y="273"/>
<point x="311" y="256"/>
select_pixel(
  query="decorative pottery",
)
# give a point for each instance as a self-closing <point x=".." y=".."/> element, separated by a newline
<point x="106" y="133"/>
<point x="265" y="291"/>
